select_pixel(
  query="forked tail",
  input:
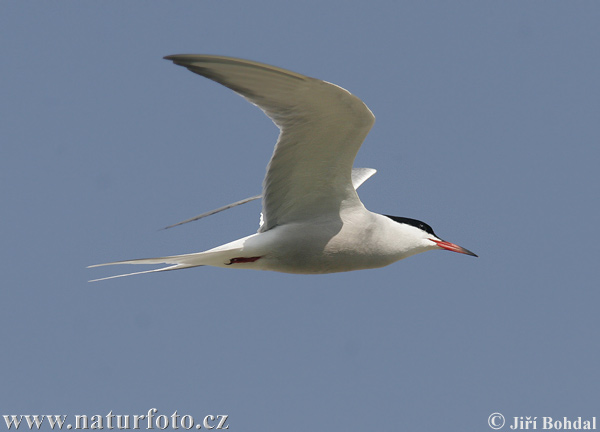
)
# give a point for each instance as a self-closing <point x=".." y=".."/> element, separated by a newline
<point x="173" y="267"/>
<point x="236" y="252"/>
<point x="178" y="262"/>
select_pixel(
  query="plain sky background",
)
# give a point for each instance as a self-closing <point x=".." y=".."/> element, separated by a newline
<point x="487" y="129"/>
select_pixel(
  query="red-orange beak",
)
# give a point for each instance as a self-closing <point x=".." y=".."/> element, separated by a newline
<point x="452" y="247"/>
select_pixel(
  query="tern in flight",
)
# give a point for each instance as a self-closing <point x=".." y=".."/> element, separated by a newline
<point x="312" y="221"/>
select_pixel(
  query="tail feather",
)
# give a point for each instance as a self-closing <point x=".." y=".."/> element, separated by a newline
<point x="218" y="257"/>
<point x="173" y="267"/>
<point x="177" y="261"/>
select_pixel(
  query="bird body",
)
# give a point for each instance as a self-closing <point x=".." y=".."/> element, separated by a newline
<point x="313" y="221"/>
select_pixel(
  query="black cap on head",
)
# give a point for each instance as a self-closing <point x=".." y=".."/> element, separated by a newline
<point x="414" y="222"/>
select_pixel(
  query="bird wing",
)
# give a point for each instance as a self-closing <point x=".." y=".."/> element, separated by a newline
<point x="359" y="176"/>
<point x="322" y="126"/>
<point x="217" y="210"/>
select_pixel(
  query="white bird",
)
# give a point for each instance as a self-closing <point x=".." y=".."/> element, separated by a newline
<point x="313" y="221"/>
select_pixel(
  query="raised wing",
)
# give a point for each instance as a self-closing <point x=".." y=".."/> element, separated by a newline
<point x="359" y="176"/>
<point x="322" y="127"/>
<point x="217" y="210"/>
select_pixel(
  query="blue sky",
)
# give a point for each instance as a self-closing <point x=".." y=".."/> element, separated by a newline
<point x="487" y="129"/>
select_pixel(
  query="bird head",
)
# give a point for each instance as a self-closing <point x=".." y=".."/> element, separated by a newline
<point x="425" y="238"/>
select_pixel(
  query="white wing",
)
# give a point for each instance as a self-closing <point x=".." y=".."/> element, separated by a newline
<point x="322" y="127"/>
<point x="217" y="210"/>
<point x="359" y="176"/>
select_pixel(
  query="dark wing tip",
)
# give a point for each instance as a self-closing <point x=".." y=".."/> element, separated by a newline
<point x="186" y="59"/>
<point x="174" y="57"/>
<point x="180" y="59"/>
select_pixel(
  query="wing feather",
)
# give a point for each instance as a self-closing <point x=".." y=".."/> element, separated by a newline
<point x="322" y="126"/>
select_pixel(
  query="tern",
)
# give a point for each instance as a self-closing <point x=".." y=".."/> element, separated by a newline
<point x="312" y="221"/>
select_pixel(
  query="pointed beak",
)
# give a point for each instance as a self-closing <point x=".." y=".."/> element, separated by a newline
<point x="452" y="247"/>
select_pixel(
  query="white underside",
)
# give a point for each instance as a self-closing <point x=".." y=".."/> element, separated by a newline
<point x="355" y="240"/>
